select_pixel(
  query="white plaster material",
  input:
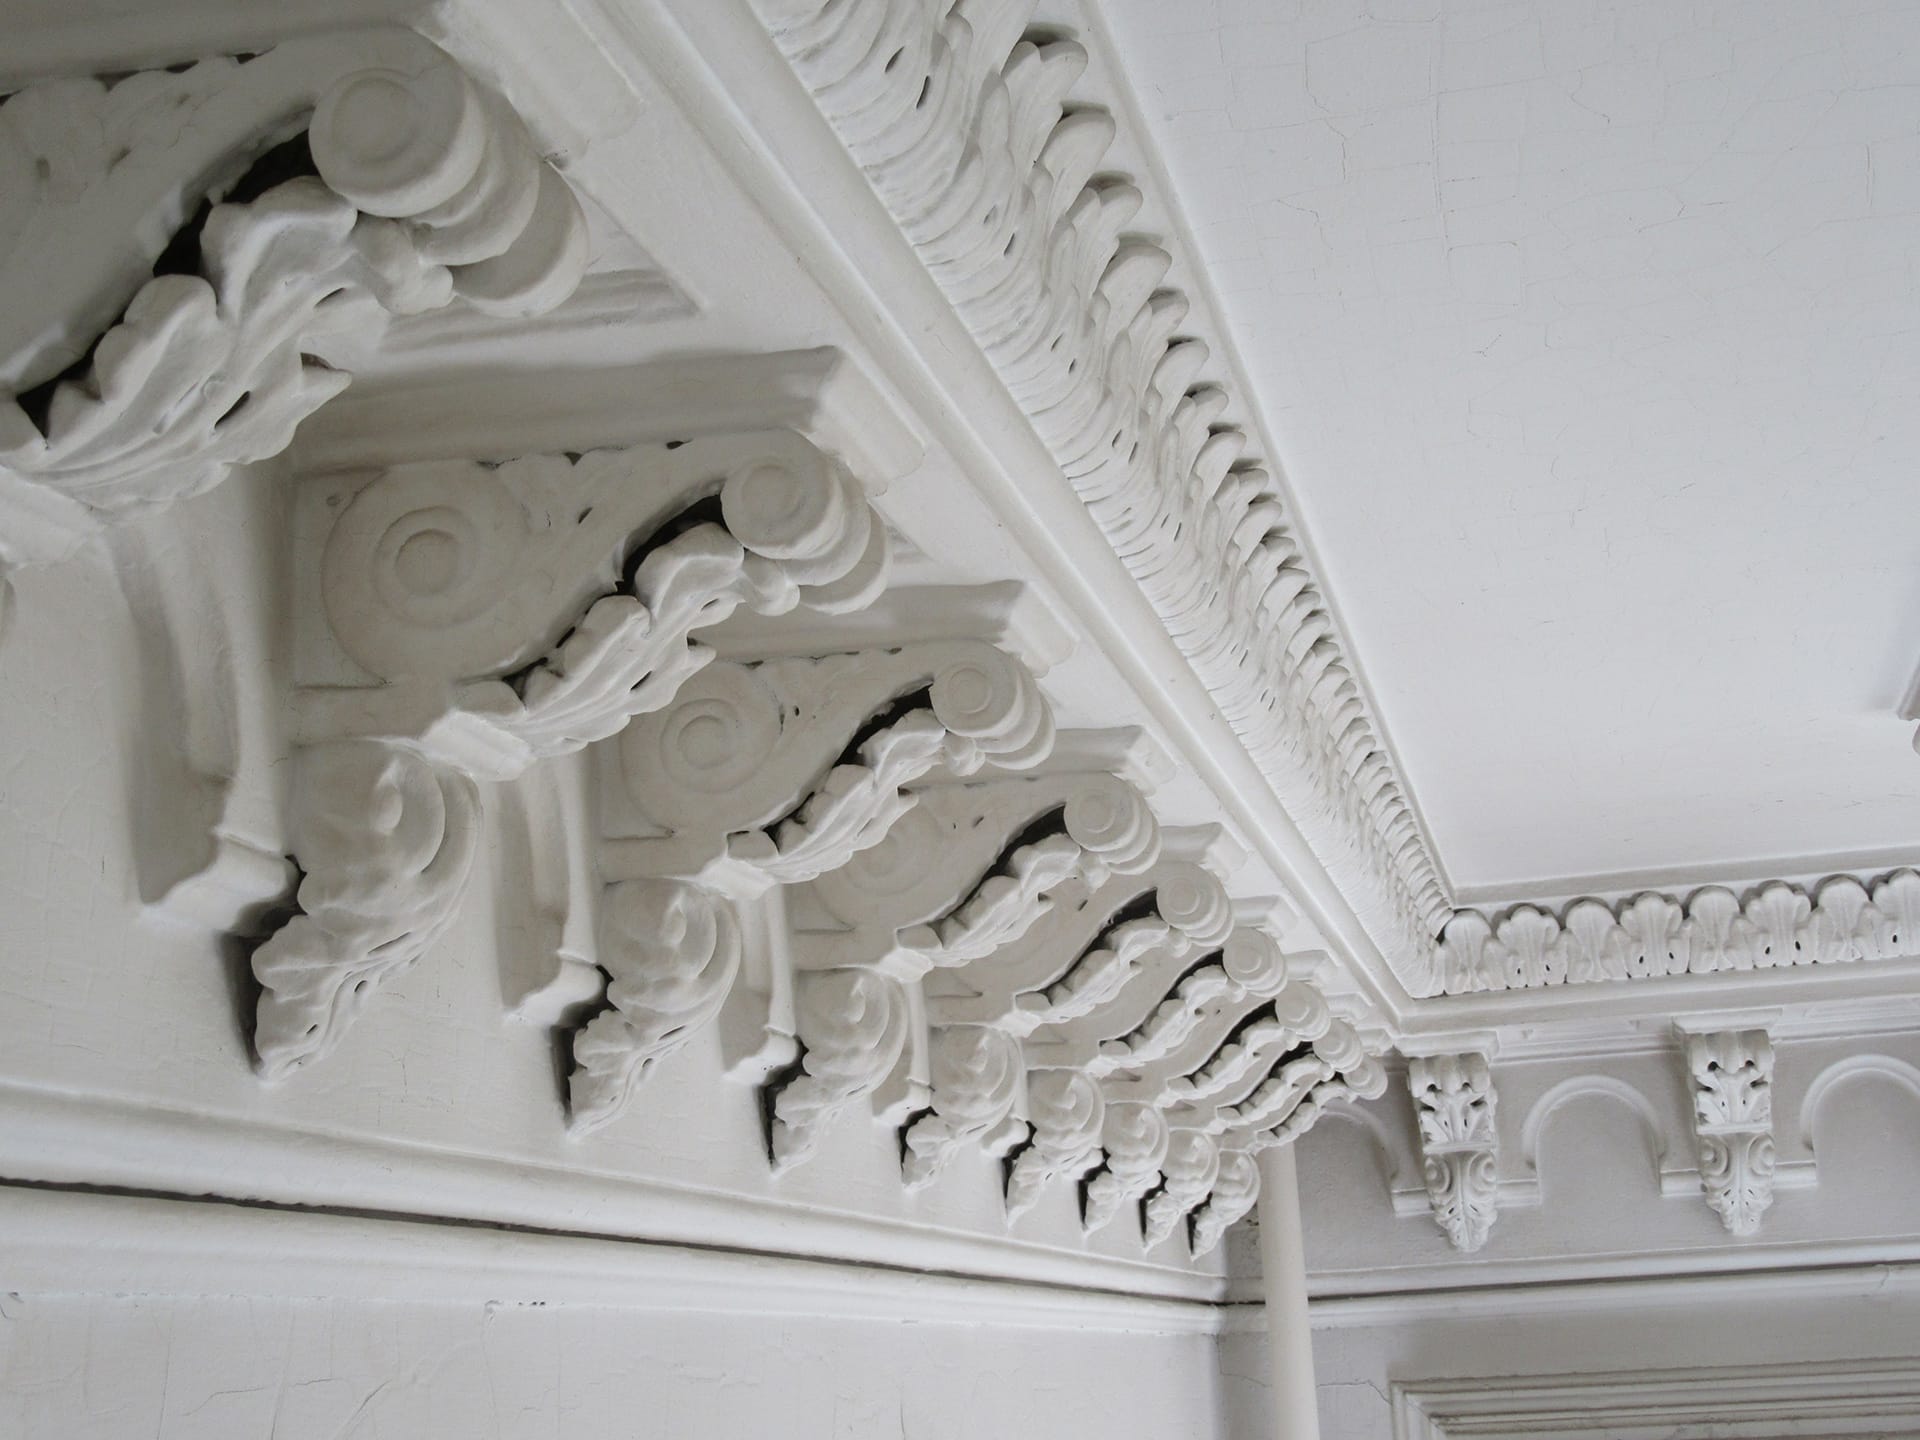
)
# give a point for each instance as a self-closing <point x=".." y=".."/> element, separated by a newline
<point x="1283" y="1269"/>
<point x="778" y="796"/>
<point x="1001" y="190"/>
<point x="1586" y="336"/>
<point x="1621" y="1359"/>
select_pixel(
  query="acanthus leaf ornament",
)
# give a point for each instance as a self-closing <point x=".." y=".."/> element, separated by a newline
<point x="181" y="377"/>
<point x="1133" y="1143"/>
<point x="1731" y="1075"/>
<point x="1235" y="1192"/>
<point x="976" y="1081"/>
<point x="1653" y="935"/>
<point x="671" y="951"/>
<point x="853" y="1025"/>
<point x="515" y="614"/>
<point x="1068" y="1114"/>
<point x="386" y="841"/>
<point x="1454" y="1100"/>
<point x="1191" y="1169"/>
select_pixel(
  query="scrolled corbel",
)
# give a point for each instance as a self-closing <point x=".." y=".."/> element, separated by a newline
<point x="489" y="605"/>
<point x="741" y="769"/>
<point x="977" y="1078"/>
<point x="386" y="841"/>
<point x="1731" y="1077"/>
<point x="1236" y="1189"/>
<point x="1134" y="1141"/>
<point x="1068" y="1114"/>
<point x="1454" y="1099"/>
<point x="671" y="952"/>
<point x="420" y="188"/>
<point x="853" y="1025"/>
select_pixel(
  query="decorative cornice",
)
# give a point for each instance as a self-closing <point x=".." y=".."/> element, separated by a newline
<point x="960" y="122"/>
<point x="1776" y="925"/>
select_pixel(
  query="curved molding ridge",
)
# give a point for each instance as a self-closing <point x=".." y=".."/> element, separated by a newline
<point x="961" y="125"/>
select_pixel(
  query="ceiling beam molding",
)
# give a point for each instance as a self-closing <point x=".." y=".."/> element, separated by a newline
<point x="961" y="123"/>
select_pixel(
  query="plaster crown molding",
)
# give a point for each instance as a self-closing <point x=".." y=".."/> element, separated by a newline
<point x="1776" y="925"/>
<point x="961" y="124"/>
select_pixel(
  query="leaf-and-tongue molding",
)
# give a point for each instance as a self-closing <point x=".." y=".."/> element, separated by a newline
<point x="960" y="120"/>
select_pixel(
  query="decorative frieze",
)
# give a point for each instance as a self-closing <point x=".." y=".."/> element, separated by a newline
<point x="1777" y="925"/>
<point x="147" y="350"/>
<point x="959" y="119"/>
<point x="1453" y="1100"/>
<point x="1731" y="1079"/>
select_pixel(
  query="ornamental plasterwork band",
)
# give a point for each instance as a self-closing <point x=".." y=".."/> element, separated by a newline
<point x="870" y="870"/>
<point x="1778" y="925"/>
<point x="960" y="122"/>
<point x="864" y="862"/>
<point x="148" y="349"/>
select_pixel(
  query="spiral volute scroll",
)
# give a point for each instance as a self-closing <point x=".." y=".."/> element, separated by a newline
<point x="1192" y="900"/>
<point x="423" y="145"/>
<point x="992" y="708"/>
<point x="1254" y="962"/>
<point x="816" y="524"/>
<point x="1111" y="822"/>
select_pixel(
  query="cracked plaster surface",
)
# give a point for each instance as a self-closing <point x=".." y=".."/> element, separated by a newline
<point x="1587" y="332"/>
<point x="223" y="1369"/>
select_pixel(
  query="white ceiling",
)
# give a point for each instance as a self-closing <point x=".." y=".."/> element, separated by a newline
<point x="1588" y="333"/>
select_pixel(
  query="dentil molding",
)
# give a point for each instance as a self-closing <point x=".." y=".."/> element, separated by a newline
<point x="959" y="120"/>
<point x="193" y="256"/>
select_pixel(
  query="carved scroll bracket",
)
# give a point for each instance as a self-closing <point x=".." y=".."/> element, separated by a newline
<point x="469" y="620"/>
<point x="1454" y="1098"/>
<point x="1731" y="1079"/>
<point x="763" y="776"/>
<point x="122" y="389"/>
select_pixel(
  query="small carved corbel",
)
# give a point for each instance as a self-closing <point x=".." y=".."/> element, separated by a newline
<point x="122" y="390"/>
<point x="1453" y="1096"/>
<point x="1731" y="1075"/>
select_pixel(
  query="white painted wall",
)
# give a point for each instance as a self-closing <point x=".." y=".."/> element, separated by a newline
<point x="1360" y="1353"/>
<point x="105" y="1368"/>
